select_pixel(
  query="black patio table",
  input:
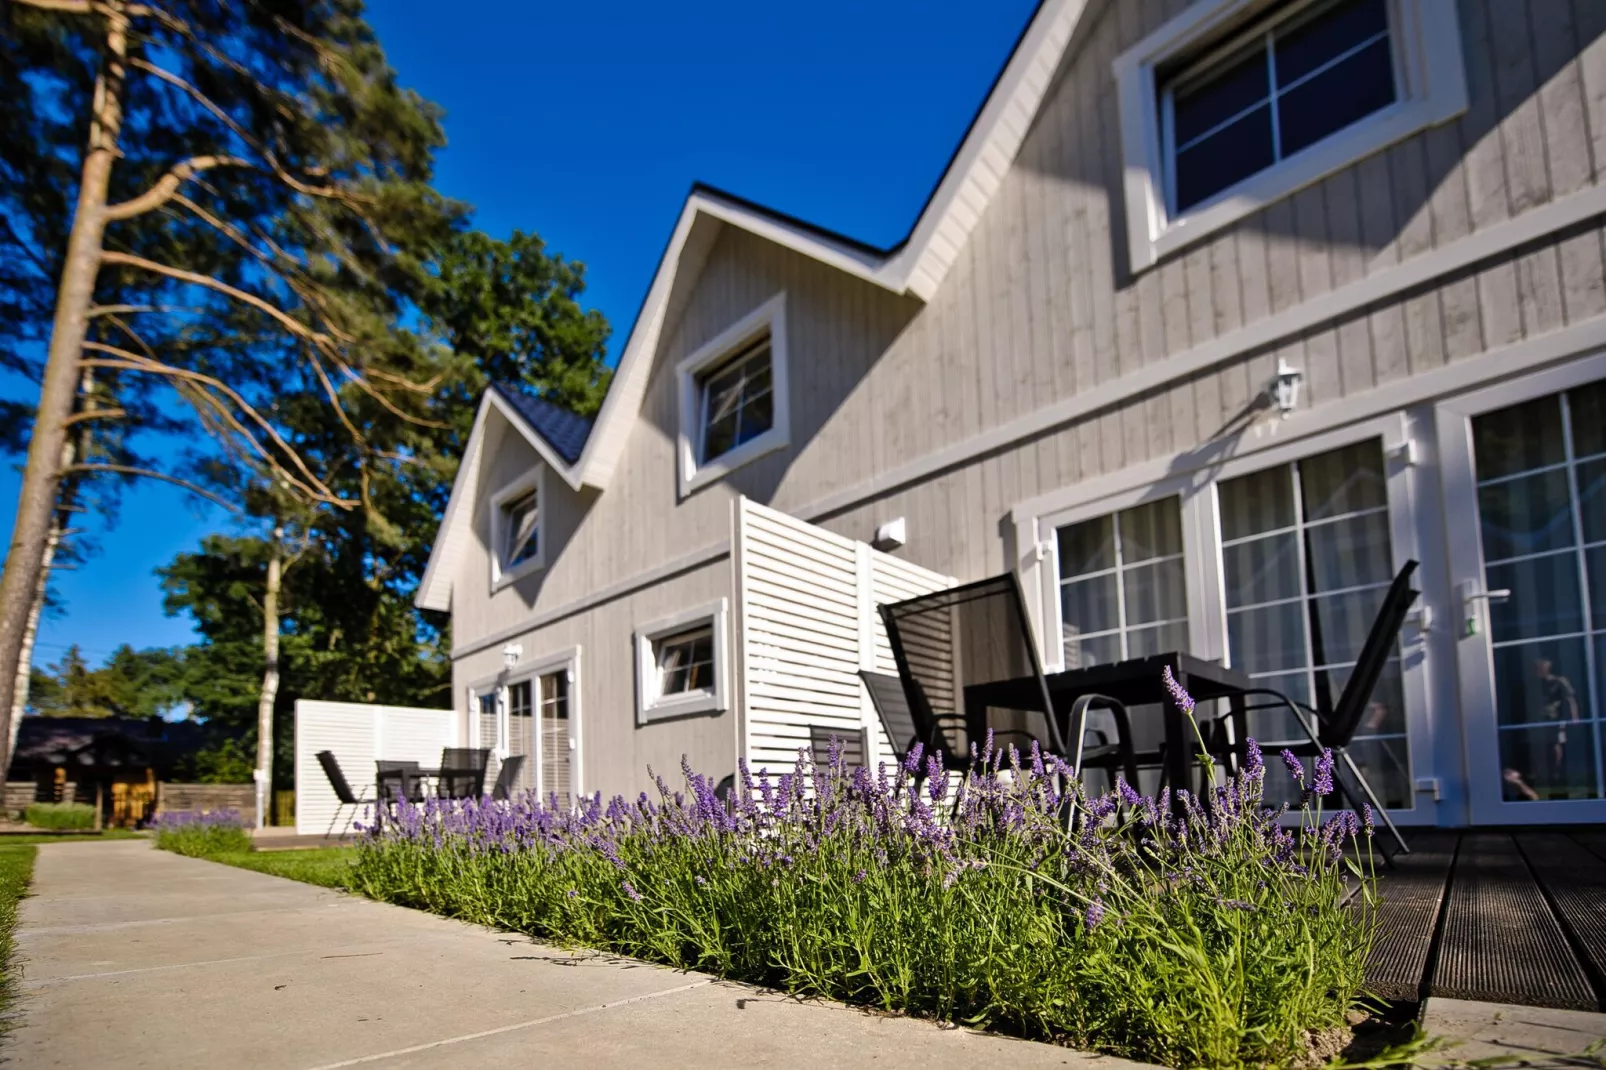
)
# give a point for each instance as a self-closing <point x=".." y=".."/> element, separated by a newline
<point x="1134" y="682"/>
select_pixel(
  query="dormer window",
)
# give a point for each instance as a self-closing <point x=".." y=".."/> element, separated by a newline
<point x="517" y="539"/>
<point x="738" y="400"/>
<point x="733" y="397"/>
<point x="1238" y="103"/>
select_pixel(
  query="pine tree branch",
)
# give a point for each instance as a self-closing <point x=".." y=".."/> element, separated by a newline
<point x="167" y="186"/>
<point x="148" y="473"/>
<point x="95" y="414"/>
<point x="313" y="487"/>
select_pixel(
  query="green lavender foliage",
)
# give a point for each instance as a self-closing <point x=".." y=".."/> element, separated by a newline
<point x="202" y="835"/>
<point x="1213" y="939"/>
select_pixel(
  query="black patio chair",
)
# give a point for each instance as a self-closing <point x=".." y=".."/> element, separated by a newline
<point x="397" y="780"/>
<point x="343" y="792"/>
<point x="463" y="772"/>
<point x="1331" y="725"/>
<point x="854" y="744"/>
<point x="976" y="635"/>
<point x="507" y="778"/>
<point x="907" y="724"/>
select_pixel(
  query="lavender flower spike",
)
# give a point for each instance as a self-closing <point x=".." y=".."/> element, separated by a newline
<point x="1179" y="694"/>
<point x="1095" y="913"/>
<point x="1323" y="784"/>
<point x="1254" y="761"/>
<point x="1295" y="769"/>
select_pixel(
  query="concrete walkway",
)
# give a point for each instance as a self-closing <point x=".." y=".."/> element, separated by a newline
<point x="133" y="957"/>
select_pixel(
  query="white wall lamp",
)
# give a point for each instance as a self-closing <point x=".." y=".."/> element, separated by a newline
<point x="511" y="655"/>
<point x="891" y="535"/>
<point x="1283" y="390"/>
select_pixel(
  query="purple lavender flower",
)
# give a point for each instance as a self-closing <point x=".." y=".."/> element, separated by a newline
<point x="1323" y="784"/>
<point x="1295" y="769"/>
<point x="630" y="890"/>
<point x="1178" y="693"/>
<point x="1254" y="761"/>
<point x="1095" y="913"/>
<point x="1366" y="818"/>
<point x="859" y="877"/>
<point x="1128" y="793"/>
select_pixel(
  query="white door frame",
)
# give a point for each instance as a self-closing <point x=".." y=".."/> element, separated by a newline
<point x="567" y="660"/>
<point x="1474" y="654"/>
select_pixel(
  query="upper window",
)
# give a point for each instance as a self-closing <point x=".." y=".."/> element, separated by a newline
<point x="738" y="401"/>
<point x="733" y="397"/>
<point x="1286" y="88"/>
<point x="681" y="664"/>
<point x="517" y="545"/>
<point x="1218" y="118"/>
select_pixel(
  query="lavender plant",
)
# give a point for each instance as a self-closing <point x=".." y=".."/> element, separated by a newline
<point x="201" y="834"/>
<point x="1212" y="936"/>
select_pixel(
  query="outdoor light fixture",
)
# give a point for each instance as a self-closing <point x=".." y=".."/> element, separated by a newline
<point x="511" y="654"/>
<point x="891" y="535"/>
<point x="1284" y="387"/>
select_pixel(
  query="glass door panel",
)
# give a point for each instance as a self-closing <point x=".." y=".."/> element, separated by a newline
<point x="1307" y="557"/>
<point x="557" y="756"/>
<point x="521" y="732"/>
<point x="1540" y="468"/>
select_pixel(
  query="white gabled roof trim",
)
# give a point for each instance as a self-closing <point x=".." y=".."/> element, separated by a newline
<point x="457" y="526"/>
<point x="917" y="267"/>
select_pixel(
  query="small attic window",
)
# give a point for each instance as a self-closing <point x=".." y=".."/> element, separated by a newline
<point x="518" y="543"/>
<point x="733" y="397"/>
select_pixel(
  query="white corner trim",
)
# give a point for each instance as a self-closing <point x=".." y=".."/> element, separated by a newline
<point x="533" y="480"/>
<point x="694" y="472"/>
<point x="1431" y="78"/>
<point x="1381" y="285"/>
<point x="649" y="707"/>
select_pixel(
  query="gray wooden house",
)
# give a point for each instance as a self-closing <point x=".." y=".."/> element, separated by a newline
<point x="1220" y="313"/>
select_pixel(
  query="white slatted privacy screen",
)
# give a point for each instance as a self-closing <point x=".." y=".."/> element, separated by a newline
<point x="807" y="621"/>
<point x="359" y="735"/>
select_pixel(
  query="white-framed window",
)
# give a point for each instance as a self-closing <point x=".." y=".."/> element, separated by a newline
<point x="733" y="397"/>
<point x="681" y="664"/>
<point x="1274" y="561"/>
<point x="1237" y="103"/>
<point x="518" y="528"/>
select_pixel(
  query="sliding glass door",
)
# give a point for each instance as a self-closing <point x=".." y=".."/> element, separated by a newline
<point x="1526" y="493"/>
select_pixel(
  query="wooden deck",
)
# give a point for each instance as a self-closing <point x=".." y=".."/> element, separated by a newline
<point x="1511" y="915"/>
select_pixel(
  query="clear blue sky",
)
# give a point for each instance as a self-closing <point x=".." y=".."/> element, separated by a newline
<point x="587" y="123"/>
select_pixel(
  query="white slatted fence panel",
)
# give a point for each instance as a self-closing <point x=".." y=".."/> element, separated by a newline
<point x="808" y="623"/>
<point x="358" y="735"/>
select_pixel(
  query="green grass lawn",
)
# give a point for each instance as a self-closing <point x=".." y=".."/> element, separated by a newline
<point x="328" y="866"/>
<point x="16" y="869"/>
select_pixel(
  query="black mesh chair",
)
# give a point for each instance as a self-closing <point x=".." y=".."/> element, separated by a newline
<point x="396" y="780"/>
<point x="907" y="724"/>
<point x="1331" y="724"/>
<point x="507" y="778"/>
<point x="343" y="792"/>
<point x="463" y="772"/>
<point x="855" y="746"/>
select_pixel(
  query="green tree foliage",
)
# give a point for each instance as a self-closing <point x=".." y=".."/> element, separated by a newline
<point x="132" y="683"/>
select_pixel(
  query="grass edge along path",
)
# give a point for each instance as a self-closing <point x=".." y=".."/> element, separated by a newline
<point x="16" y="871"/>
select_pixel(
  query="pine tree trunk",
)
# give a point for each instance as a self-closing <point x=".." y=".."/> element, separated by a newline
<point x="77" y="446"/>
<point x="36" y="502"/>
<point x="270" y="674"/>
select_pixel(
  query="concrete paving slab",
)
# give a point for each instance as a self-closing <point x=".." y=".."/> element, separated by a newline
<point x="1539" y="1036"/>
<point x="135" y="957"/>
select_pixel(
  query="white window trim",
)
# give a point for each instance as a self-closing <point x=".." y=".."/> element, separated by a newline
<point x="649" y="706"/>
<point x="770" y="318"/>
<point x="490" y="685"/>
<point x="567" y="660"/>
<point x="1431" y="76"/>
<point x="533" y="480"/>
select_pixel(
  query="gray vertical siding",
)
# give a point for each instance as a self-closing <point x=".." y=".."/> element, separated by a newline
<point x="1040" y="307"/>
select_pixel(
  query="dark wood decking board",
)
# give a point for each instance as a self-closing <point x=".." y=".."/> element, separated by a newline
<point x="1576" y="881"/>
<point x="1500" y="943"/>
<point x="1411" y="893"/>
